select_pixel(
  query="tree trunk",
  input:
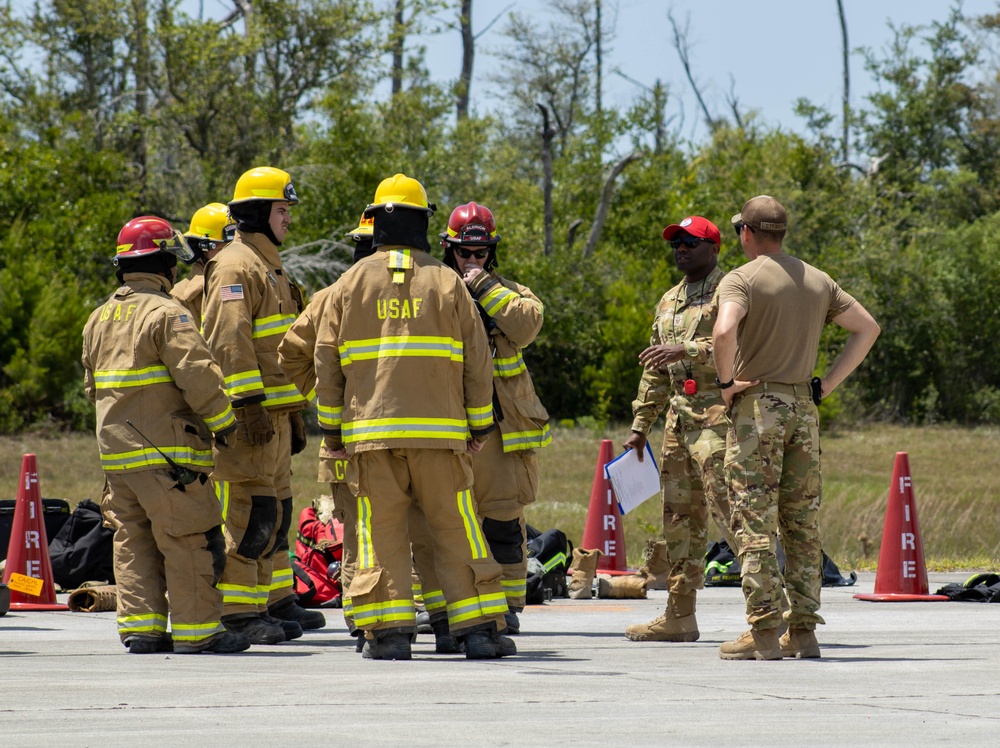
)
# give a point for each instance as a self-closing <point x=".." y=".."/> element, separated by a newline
<point x="600" y="66"/>
<point x="660" y="102"/>
<point x="398" y="37"/>
<point x="605" y="204"/>
<point x="141" y="56"/>
<point x="681" y="44"/>
<point x="468" y="54"/>
<point x="547" y="134"/>
<point x="845" y="138"/>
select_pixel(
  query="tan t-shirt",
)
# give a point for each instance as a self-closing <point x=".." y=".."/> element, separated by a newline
<point x="787" y="303"/>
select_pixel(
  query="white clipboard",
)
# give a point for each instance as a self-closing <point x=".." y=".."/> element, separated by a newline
<point x="632" y="481"/>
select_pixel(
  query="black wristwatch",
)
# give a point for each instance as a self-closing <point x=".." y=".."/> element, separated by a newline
<point x="724" y="385"/>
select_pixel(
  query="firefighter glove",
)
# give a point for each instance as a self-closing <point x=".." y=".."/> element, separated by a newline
<point x="256" y="427"/>
<point x="298" y="432"/>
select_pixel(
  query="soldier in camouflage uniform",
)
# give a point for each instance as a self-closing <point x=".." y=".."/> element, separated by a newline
<point x="771" y="315"/>
<point x="679" y="370"/>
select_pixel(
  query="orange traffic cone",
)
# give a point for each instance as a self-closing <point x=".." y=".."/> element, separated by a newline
<point x="29" y="571"/>
<point x="901" y="576"/>
<point x="603" y="530"/>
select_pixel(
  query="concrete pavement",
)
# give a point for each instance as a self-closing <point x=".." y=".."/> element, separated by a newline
<point x="891" y="674"/>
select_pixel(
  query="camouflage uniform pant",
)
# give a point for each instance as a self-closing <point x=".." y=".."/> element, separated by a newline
<point x="692" y="483"/>
<point x="773" y="472"/>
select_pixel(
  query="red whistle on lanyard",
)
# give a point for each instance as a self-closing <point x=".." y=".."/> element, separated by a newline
<point x="690" y="387"/>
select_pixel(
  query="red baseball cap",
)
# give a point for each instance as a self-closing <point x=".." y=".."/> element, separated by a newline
<point x="695" y="226"/>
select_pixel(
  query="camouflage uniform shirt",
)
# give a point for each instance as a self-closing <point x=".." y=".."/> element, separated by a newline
<point x="685" y="315"/>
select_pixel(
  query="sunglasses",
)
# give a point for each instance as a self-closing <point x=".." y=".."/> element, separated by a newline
<point x="739" y="228"/>
<point x="688" y="241"/>
<point x="465" y="254"/>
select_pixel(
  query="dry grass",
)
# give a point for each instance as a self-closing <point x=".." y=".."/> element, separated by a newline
<point x="955" y="481"/>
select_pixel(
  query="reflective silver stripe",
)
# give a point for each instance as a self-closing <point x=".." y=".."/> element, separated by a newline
<point x="401" y="428"/>
<point x="509" y="367"/>
<point x="497" y="299"/>
<point x="431" y="346"/>
<point x="245" y="381"/>
<point x="150" y="457"/>
<point x="282" y="395"/>
<point x="106" y="379"/>
<point x="276" y="324"/>
<point x="328" y="416"/>
<point x="221" y="421"/>
<point x="533" y="439"/>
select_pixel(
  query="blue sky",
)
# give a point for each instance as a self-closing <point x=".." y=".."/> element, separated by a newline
<point x="775" y="50"/>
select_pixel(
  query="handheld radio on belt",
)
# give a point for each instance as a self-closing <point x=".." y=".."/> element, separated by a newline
<point x="179" y="473"/>
<point x="817" y="389"/>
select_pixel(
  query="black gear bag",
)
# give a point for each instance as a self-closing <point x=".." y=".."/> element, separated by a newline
<point x="548" y="560"/>
<point x="83" y="549"/>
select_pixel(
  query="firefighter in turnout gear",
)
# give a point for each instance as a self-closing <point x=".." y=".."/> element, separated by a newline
<point x="297" y="354"/>
<point x="249" y="303"/>
<point x="404" y="388"/>
<point x="506" y="470"/>
<point x="210" y="231"/>
<point x="159" y="398"/>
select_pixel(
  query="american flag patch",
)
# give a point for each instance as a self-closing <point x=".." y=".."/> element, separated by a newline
<point x="181" y="322"/>
<point x="233" y="292"/>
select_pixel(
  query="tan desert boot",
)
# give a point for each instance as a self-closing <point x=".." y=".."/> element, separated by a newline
<point x="677" y="624"/>
<point x="621" y="587"/>
<point x="584" y="569"/>
<point x="654" y="567"/>
<point x="755" y="644"/>
<point x="799" y="643"/>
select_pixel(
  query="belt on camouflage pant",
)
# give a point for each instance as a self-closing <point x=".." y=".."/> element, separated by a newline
<point x="801" y="389"/>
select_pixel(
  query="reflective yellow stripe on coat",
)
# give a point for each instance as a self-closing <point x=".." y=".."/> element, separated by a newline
<point x="531" y="439"/>
<point x="429" y="346"/>
<point x="276" y="324"/>
<point x="107" y="379"/>
<point x="150" y="457"/>
<point x="406" y="428"/>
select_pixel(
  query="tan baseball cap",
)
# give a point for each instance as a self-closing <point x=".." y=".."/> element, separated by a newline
<point x="763" y="212"/>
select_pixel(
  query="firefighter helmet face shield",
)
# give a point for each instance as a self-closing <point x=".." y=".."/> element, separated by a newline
<point x="177" y="246"/>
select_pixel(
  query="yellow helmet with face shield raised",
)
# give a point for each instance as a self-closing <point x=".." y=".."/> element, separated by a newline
<point x="210" y="228"/>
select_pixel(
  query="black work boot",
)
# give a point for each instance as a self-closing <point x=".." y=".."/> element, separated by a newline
<point x="290" y="629"/>
<point x="140" y="644"/>
<point x="388" y="645"/>
<point x="486" y="644"/>
<point x="254" y="628"/>
<point x="444" y="642"/>
<point x="424" y="623"/>
<point x="225" y="642"/>
<point x="513" y="623"/>
<point x="288" y="609"/>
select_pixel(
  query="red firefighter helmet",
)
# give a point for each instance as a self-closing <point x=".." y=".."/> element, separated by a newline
<point x="147" y="235"/>
<point x="471" y="224"/>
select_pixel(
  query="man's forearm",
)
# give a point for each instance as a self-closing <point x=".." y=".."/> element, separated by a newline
<point x="725" y="353"/>
<point x="855" y="350"/>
